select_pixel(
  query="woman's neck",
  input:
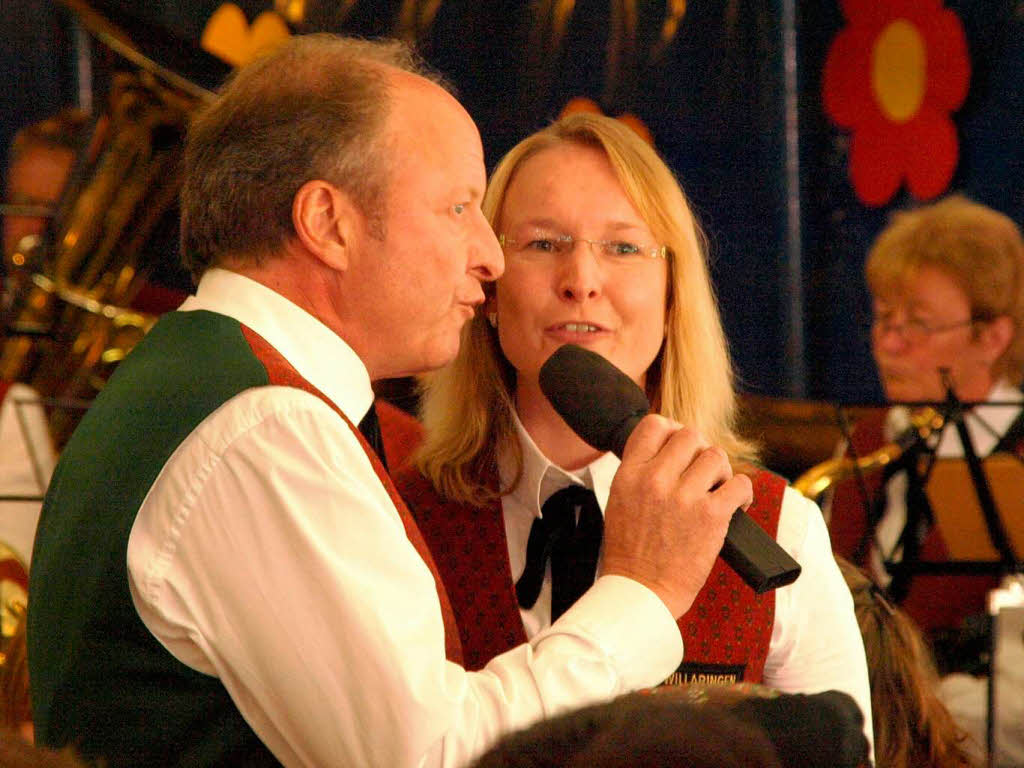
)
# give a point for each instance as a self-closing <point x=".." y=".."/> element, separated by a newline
<point x="555" y="439"/>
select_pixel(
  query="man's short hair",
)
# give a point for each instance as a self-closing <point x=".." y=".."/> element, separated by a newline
<point x="657" y="731"/>
<point x="313" y="108"/>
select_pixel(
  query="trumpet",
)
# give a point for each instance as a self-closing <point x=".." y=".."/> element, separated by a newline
<point x="816" y="481"/>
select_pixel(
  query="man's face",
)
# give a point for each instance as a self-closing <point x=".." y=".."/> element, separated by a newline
<point x="423" y="280"/>
<point x="923" y="329"/>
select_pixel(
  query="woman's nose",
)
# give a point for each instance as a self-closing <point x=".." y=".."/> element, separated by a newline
<point x="580" y="275"/>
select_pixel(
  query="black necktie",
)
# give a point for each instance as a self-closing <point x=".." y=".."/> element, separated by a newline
<point x="370" y="427"/>
<point x="571" y="546"/>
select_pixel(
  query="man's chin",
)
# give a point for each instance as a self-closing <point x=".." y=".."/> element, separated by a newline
<point x="433" y="359"/>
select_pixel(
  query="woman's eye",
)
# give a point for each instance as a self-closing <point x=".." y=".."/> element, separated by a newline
<point x="459" y="208"/>
<point x="541" y="244"/>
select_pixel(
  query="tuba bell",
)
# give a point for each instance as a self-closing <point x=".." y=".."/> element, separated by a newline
<point x="69" y="317"/>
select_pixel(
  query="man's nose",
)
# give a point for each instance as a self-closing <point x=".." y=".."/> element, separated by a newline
<point x="487" y="260"/>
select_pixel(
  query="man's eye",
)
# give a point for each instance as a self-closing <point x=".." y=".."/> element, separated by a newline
<point x="459" y="208"/>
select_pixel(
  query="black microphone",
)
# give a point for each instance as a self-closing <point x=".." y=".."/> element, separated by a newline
<point x="603" y="405"/>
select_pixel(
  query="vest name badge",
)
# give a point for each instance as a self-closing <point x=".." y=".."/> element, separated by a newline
<point x="690" y="673"/>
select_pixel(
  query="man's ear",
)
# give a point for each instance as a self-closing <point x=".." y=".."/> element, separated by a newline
<point x="326" y="222"/>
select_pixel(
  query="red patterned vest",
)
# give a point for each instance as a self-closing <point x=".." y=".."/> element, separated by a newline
<point x="726" y="632"/>
<point x="934" y="600"/>
<point x="282" y="373"/>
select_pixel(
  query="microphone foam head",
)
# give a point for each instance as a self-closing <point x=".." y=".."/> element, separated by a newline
<point x="600" y="402"/>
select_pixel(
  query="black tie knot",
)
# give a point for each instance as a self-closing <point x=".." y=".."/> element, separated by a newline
<point x="570" y="541"/>
<point x="370" y="427"/>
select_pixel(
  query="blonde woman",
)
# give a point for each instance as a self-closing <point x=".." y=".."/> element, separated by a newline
<point x="602" y="250"/>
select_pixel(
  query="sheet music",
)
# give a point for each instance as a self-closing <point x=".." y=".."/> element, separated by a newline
<point x="27" y="459"/>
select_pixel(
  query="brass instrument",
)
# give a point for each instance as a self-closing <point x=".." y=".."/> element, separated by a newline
<point x="13" y="592"/>
<point x="68" y="317"/>
<point x="820" y="478"/>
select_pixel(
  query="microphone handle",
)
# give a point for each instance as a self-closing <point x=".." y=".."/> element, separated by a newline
<point x="756" y="556"/>
<point x="748" y="550"/>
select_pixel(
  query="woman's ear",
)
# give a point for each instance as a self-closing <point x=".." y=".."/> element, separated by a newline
<point x="326" y="222"/>
<point x="996" y="336"/>
<point x="490" y="308"/>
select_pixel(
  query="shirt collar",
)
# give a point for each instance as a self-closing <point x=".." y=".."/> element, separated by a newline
<point x="986" y="423"/>
<point x="317" y="353"/>
<point x="541" y="478"/>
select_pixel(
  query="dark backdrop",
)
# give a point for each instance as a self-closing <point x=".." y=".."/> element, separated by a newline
<point x="715" y="99"/>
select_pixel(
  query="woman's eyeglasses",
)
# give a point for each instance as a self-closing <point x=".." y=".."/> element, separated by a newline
<point x="542" y="246"/>
<point x="913" y="330"/>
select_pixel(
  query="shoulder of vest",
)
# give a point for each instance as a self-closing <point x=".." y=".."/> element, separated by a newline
<point x="769" y="489"/>
<point x="435" y="514"/>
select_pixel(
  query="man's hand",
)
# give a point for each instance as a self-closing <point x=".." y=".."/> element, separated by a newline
<point x="669" y="510"/>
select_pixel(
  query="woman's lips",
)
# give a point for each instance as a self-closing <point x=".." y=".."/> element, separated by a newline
<point x="576" y="331"/>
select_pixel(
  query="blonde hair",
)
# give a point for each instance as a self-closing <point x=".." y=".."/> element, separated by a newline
<point x="467" y="406"/>
<point x="980" y="249"/>
<point x="912" y="726"/>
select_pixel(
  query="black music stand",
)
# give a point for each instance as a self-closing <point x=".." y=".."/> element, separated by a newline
<point x="1007" y="559"/>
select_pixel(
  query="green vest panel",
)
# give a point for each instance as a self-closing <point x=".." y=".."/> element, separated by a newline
<point x="99" y="680"/>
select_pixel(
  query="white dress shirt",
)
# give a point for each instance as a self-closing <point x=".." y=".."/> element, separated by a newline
<point x="267" y="553"/>
<point x="815" y="644"/>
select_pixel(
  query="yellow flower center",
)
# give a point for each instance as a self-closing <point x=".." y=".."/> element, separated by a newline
<point x="899" y="70"/>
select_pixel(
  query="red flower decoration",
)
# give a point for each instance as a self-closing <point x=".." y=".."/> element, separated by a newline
<point x="892" y="77"/>
<point x="583" y="104"/>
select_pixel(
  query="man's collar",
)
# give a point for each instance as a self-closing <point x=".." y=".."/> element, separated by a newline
<point x="318" y="353"/>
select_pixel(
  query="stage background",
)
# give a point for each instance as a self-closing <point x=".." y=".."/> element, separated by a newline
<point x="732" y="99"/>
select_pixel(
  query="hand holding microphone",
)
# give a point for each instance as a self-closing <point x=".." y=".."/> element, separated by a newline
<point x="679" y="494"/>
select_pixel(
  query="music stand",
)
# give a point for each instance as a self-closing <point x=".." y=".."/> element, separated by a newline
<point x="41" y="469"/>
<point x="980" y="500"/>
